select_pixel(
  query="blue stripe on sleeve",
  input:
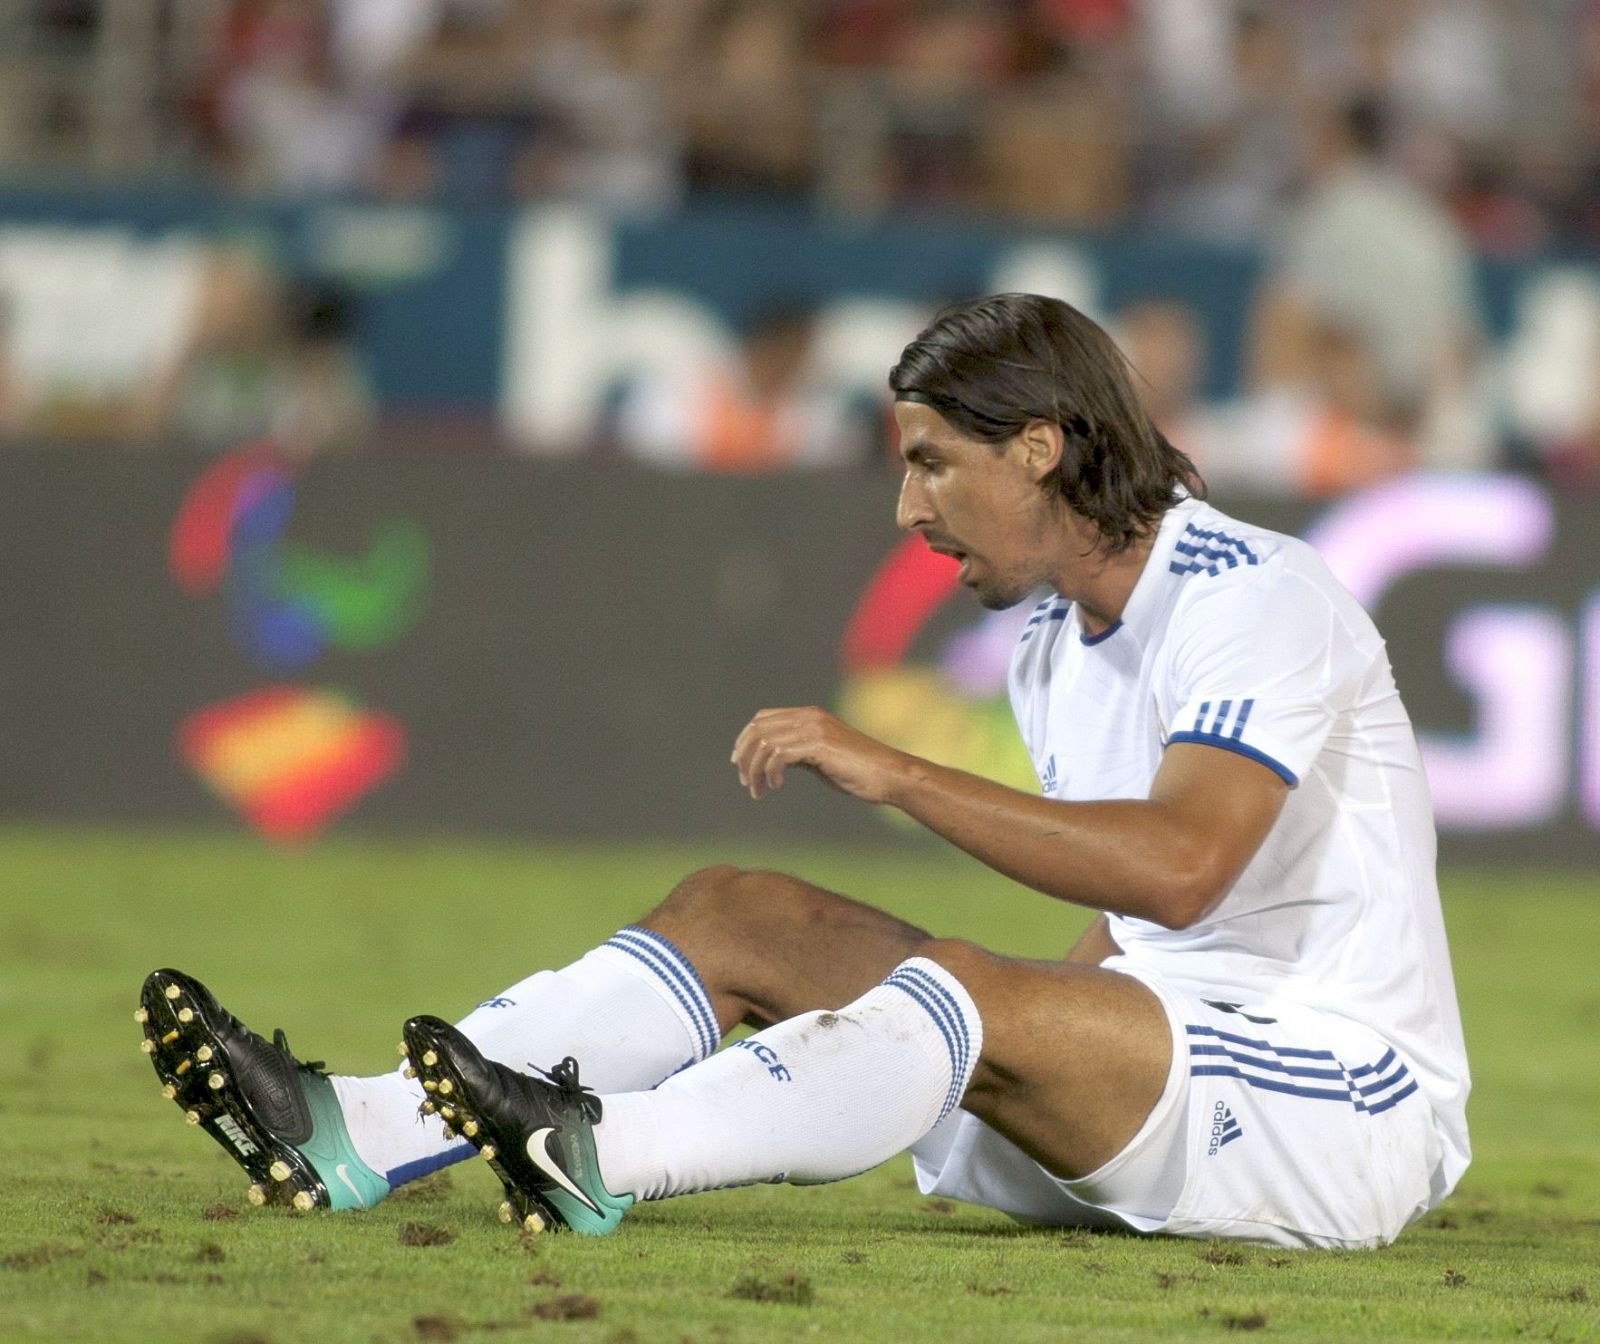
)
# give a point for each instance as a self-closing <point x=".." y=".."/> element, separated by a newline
<point x="1283" y="772"/>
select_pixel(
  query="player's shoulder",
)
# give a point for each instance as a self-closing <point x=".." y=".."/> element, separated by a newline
<point x="1237" y="573"/>
<point x="1214" y="553"/>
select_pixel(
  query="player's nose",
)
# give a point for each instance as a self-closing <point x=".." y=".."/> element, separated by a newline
<point x="912" y="510"/>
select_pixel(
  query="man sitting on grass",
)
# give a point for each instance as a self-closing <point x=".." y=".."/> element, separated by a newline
<point x="1256" y="1039"/>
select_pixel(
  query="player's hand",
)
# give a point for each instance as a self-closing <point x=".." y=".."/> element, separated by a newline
<point x="813" y="739"/>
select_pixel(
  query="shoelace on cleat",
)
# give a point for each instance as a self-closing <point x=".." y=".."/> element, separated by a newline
<point x="565" y="1076"/>
<point x="281" y="1041"/>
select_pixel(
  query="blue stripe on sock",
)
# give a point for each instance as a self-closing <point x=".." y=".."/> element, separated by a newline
<point x="683" y="971"/>
<point x="426" y="1166"/>
<point x="920" y="998"/>
<point x="949" y="1001"/>
<point x="699" y="1012"/>
<point x="906" y="978"/>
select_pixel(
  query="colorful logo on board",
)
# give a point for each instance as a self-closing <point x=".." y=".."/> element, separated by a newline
<point x="290" y="758"/>
<point x="288" y="604"/>
<point x="942" y="700"/>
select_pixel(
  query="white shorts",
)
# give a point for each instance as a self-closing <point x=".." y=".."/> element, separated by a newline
<point x="1278" y="1124"/>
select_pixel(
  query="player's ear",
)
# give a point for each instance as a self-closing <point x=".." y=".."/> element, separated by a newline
<point x="1041" y="443"/>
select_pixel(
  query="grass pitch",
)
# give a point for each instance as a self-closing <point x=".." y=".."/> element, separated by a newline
<point x="121" y="1224"/>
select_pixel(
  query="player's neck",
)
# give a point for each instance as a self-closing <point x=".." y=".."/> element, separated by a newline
<point x="1100" y="582"/>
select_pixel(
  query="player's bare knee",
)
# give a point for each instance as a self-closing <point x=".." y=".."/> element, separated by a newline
<point x="969" y="963"/>
<point x="699" y="897"/>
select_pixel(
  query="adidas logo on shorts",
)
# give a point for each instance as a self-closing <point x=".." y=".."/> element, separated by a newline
<point x="1224" y="1129"/>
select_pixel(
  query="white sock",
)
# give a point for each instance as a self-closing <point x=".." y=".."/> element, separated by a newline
<point x="633" y="1010"/>
<point x="819" y="1097"/>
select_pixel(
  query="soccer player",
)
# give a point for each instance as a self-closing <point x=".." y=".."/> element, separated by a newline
<point x="1257" y="1038"/>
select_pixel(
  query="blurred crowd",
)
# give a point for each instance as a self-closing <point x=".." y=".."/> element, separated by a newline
<point x="1200" y="114"/>
<point x="1371" y="148"/>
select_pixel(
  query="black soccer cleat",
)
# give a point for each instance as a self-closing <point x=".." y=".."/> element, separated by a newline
<point x="537" y="1135"/>
<point x="277" y="1117"/>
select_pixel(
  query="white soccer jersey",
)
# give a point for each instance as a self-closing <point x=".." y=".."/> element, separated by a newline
<point x="1241" y="639"/>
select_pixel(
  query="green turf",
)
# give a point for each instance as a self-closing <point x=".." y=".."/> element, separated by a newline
<point x="119" y="1223"/>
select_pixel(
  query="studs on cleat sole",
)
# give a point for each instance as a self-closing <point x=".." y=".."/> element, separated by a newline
<point x="170" y="1037"/>
<point x="446" y="1087"/>
<point x="183" y="1067"/>
<point x="487" y="1152"/>
<point x="401" y="1050"/>
<point x="533" y="1224"/>
<point x="193" y="1117"/>
<point x="257" y="1195"/>
<point x="148" y="1046"/>
<point x="429" y="1058"/>
<point x="172" y="991"/>
<point x="279" y="1171"/>
<point x="216" y="1082"/>
<point x="204" y="1053"/>
<point x="186" y="1014"/>
<point x="304" y="1202"/>
<point x="169" y="1091"/>
<point x="428" y="1085"/>
<point x="410" y="1072"/>
<point x="448" y="1112"/>
<point x="469" y="1128"/>
<point x="428" y="1108"/>
<point x="141" y="1015"/>
<point x="507" y="1213"/>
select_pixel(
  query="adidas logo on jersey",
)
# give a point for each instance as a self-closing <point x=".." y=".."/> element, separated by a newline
<point x="1224" y="1129"/>
<point x="236" y="1136"/>
<point x="1048" y="779"/>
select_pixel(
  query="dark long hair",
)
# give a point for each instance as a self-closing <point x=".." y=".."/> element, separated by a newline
<point x="992" y="365"/>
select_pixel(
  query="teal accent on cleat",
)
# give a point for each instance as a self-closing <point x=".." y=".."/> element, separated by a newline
<point x="277" y="1117"/>
<point x="350" y="1182"/>
<point x="537" y="1134"/>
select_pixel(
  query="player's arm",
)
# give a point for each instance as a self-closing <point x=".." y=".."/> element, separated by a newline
<point x="1168" y="858"/>
<point x="1094" y="944"/>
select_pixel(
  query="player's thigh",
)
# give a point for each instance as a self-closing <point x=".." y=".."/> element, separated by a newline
<point x="1074" y="1058"/>
<point x="769" y="946"/>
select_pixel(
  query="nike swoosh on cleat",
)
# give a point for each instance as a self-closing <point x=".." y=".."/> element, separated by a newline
<point x="342" y="1171"/>
<point x="541" y="1158"/>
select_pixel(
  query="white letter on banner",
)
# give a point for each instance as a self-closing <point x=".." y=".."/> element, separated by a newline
<point x="1516" y="662"/>
<point x="571" y="339"/>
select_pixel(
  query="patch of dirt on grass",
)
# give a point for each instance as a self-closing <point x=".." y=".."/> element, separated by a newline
<point x="1255" y="1320"/>
<point x="790" y="1287"/>
<point x="1219" y="1253"/>
<point x="429" y="1190"/>
<point x="545" y="1278"/>
<point x="1279" y="1261"/>
<point x="35" y="1257"/>
<point x="988" y="1289"/>
<point x="92" y="1276"/>
<point x="1576" y="1293"/>
<point x="444" y="1328"/>
<point x="114" y="1218"/>
<point x="1454" y="1278"/>
<point x="1165" y="1280"/>
<point x="854" y="1257"/>
<point x="219" y="1213"/>
<point x="425" y="1234"/>
<point x="567" y="1307"/>
<point x="939" y="1206"/>
<point x="1445" y="1222"/>
<point x="209" y="1253"/>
